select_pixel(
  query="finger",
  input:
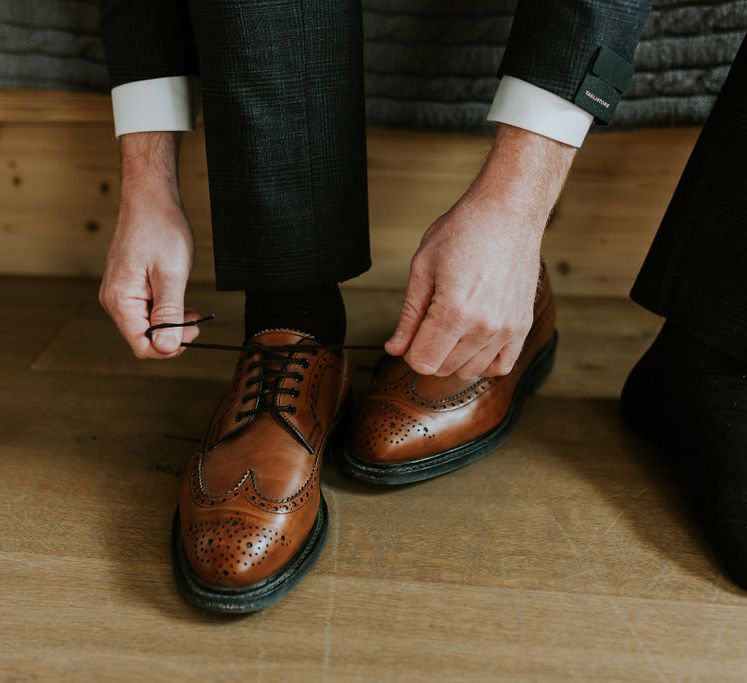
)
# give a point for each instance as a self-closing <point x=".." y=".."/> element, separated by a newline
<point x="417" y="298"/>
<point x="462" y="353"/>
<point x="477" y="365"/>
<point x="167" y="307"/>
<point x="505" y="361"/>
<point x="189" y="334"/>
<point x="435" y="339"/>
<point x="131" y="319"/>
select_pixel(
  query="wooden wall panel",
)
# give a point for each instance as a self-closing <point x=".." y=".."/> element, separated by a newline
<point x="58" y="194"/>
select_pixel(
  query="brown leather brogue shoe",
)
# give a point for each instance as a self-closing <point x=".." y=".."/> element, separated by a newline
<point x="251" y="519"/>
<point x="412" y="427"/>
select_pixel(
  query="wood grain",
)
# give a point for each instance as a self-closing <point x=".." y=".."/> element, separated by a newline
<point x="36" y="105"/>
<point x="564" y="556"/>
<point x="58" y="195"/>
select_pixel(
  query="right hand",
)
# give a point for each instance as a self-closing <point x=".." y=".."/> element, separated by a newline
<point x="146" y="272"/>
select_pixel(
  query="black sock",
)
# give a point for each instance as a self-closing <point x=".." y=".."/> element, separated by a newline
<point x="677" y="350"/>
<point x="318" y="311"/>
<point x="691" y="400"/>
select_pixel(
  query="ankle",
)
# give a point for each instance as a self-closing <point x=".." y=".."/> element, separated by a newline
<point x="318" y="311"/>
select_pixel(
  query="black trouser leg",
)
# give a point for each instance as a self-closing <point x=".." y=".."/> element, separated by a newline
<point x="282" y="88"/>
<point x="696" y="271"/>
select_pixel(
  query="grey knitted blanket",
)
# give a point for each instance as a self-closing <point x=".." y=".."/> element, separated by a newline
<point x="429" y="63"/>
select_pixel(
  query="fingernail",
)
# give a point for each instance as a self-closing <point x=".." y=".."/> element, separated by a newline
<point x="166" y="341"/>
<point x="396" y="337"/>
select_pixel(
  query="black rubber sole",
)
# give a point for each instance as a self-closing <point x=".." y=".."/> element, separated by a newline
<point x="259" y="595"/>
<point x="464" y="454"/>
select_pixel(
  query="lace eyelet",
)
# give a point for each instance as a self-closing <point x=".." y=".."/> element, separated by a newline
<point x="305" y="363"/>
<point x="298" y="376"/>
<point x="291" y="410"/>
<point x="295" y="393"/>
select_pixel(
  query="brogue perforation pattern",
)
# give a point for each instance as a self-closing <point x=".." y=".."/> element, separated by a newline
<point x="232" y="545"/>
<point x="392" y="424"/>
<point x="248" y="489"/>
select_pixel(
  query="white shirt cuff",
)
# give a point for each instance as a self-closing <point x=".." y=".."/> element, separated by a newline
<point x="156" y="104"/>
<point x="524" y="105"/>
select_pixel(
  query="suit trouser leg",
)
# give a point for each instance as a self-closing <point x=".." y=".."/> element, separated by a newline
<point x="283" y="101"/>
<point x="695" y="273"/>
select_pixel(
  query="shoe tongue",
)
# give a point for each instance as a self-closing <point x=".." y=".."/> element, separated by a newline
<point x="279" y="337"/>
<point x="226" y="424"/>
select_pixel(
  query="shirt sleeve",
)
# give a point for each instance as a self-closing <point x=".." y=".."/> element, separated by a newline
<point x="527" y="106"/>
<point x="156" y="104"/>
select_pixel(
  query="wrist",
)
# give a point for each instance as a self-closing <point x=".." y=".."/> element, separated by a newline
<point x="525" y="172"/>
<point x="150" y="165"/>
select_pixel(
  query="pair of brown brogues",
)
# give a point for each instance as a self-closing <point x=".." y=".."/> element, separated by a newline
<point x="252" y="519"/>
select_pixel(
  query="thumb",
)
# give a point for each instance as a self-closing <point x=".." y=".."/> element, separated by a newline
<point x="168" y="307"/>
<point x="417" y="300"/>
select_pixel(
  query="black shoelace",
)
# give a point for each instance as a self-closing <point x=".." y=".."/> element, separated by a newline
<point x="270" y="355"/>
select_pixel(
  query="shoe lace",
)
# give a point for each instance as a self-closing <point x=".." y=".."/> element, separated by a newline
<point x="274" y="363"/>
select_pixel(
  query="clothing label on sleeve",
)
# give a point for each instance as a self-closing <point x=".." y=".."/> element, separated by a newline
<point x="598" y="98"/>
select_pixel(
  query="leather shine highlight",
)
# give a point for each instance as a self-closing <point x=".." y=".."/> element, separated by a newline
<point x="250" y="494"/>
<point x="407" y="417"/>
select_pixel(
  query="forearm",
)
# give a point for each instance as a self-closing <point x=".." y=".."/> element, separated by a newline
<point x="523" y="174"/>
<point x="150" y="164"/>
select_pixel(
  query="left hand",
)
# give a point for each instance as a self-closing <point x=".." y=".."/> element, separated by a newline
<point x="470" y="297"/>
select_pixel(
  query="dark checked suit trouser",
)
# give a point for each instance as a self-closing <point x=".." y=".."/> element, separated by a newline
<point x="695" y="273"/>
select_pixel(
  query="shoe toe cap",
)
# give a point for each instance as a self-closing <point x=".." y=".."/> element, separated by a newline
<point x="385" y="432"/>
<point x="234" y="550"/>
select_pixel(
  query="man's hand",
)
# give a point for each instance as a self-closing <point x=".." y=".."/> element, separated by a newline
<point x="151" y="253"/>
<point x="469" y="301"/>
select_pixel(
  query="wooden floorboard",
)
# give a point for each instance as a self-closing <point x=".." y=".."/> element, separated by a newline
<point x="565" y="555"/>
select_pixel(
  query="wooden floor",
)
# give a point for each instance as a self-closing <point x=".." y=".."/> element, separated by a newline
<point x="567" y="555"/>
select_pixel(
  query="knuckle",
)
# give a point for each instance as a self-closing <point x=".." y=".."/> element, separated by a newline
<point x="483" y="327"/>
<point x="418" y="265"/>
<point x="172" y="273"/>
<point x="111" y="301"/>
<point x="451" y="313"/>
<point x="173" y="267"/>
<point x="420" y="365"/>
<point x="410" y="310"/>
<point x="167" y="310"/>
<point x="521" y="330"/>
<point x="504" y="368"/>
